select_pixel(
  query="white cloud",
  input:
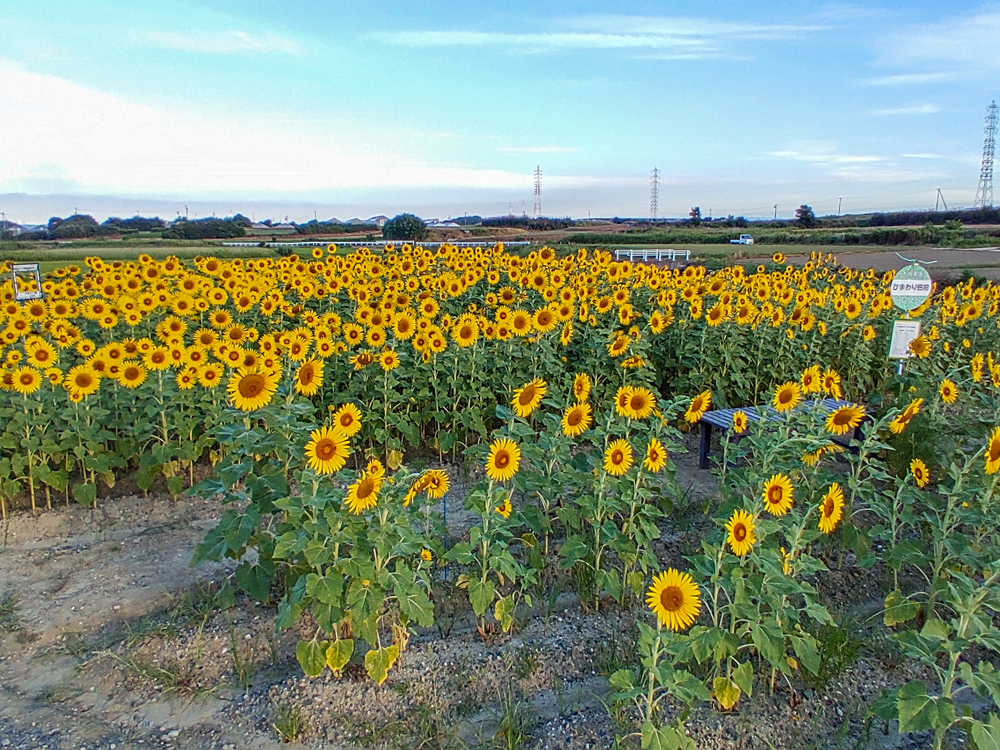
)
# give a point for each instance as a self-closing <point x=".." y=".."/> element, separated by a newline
<point x="223" y="42"/>
<point x="821" y="157"/>
<point x="922" y="156"/>
<point x="968" y="43"/>
<point x="690" y="38"/>
<point x="909" y="78"/>
<point x="60" y="136"/>
<point x="916" y="109"/>
<point x="538" y="149"/>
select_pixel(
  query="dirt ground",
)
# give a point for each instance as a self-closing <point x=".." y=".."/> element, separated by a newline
<point x="110" y="639"/>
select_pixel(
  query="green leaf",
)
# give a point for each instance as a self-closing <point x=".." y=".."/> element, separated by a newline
<point x="311" y="656"/>
<point x="378" y="662"/>
<point x="985" y="736"/>
<point x="328" y="589"/>
<point x="481" y="595"/>
<point x="726" y="692"/>
<point x="898" y="609"/>
<point x="743" y="677"/>
<point x="805" y="649"/>
<point x="338" y="654"/>
<point x="504" y="612"/>
<point x="664" y="738"/>
<point x="255" y="580"/>
<point x="85" y="494"/>
<point x="918" y="710"/>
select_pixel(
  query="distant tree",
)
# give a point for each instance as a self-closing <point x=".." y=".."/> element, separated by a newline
<point x="804" y="216"/>
<point x="404" y="227"/>
<point x="695" y="216"/>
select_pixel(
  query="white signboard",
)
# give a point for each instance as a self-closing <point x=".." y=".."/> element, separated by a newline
<point x="911" y="286"/>
<point x="903" y="332"/>
<point x="27" y="281"/>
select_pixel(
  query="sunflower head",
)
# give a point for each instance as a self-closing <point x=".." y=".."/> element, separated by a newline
<point x="618" y="458"/>
<point x="740" y="532"/>
<point x="831" y="508"/>
<point x="528" y="397"/>
<point x="918" y="469"/>
<point x="675" y="599"/>
<point x="787" y="397"/>
<point x="503" y="460"/>
<point x="778" y="495"/>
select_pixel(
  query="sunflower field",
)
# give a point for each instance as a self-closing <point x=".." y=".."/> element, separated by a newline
<point x="301" y="387"/>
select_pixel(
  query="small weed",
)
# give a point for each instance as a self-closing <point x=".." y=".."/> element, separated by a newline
<point x="526" y="662"/>
<point x="839" y="646"/>
<point x="616" y="651"/>
<point x="9" y="622"/>
<point x="289" y="723"/>
<point x="243" y="663"/>
<point x="516" y="718"/>
<point x="170" y="679"/>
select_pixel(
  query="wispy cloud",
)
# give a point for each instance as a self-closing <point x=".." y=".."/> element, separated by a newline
<point x="909" y="78"/>
<point x="922" y="156"/>
<point x="823" y="157"/>
<point x="916" y="109"/>
<point x="538" y="149"/>
<point x="224" y="42"/>
<point x="968" y="43"/>
<point x="687" y="38"/>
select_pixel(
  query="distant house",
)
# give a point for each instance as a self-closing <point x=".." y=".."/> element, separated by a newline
<point x="378" y="221"/>
<point x="258" y="228"/>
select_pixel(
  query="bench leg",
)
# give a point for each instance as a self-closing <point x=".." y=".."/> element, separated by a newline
<point x="706" y="445"/>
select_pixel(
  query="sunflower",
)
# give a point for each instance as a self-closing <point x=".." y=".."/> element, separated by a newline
<point x="309" y="377"/>
<point x="993" y="452"/>
<point x="778" y="495"/>
<point x="740" y="421"/>
<point x="347" y="419"/>
<point x="503" y="460"/>
<point x="436" y="483"/>
<point x="505" y="508"/>
<point x="675" y="598"/>
<point x="132" y="375"/>
<point x="210" y="375"/>
<point x="831" y="508"/>
<point x="327" y="450"/>
<point x="581" y="387"/>
<point x="426" y="555"/>
<point x="363" y="494"/>
<point x="698" y="406"/>
<point x="618" y="458"/>
<point x="388" y="360"/>
<point x="812" y="381"/>
<point x="787" y="397"/>
<point x="740" y="533"/>
<point x="26" y="380"/>
<point x="640" y="403"/>
<point x="948" y="391"/>
<point x="656" y="456"/>
<point x="576" y="419"/>
<point x="250" y="389"/>
<point x="919" y="471"/>
<point x="527" y="398"/>
<point x="844" y="418"/>
<point x="902" y="419"/>
<point x="82" y="381"/>
<point x="920" y="347"/>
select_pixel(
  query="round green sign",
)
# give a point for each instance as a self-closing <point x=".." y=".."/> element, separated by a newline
<point x="911" y="286"/>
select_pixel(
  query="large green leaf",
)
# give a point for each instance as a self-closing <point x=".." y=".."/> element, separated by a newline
<point x="898" y="609"/>
<point x="379" y="661"/>
<point x="985" y="735"/>
<point x="664" y="738"/>
<point x="312" y="656"/>
<point x="338" y="654"/>
<point x="481" y="595"/>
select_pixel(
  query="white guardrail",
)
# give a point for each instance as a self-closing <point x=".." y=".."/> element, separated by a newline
<point x="652" y="254"/>
<point x="380" y="243"/>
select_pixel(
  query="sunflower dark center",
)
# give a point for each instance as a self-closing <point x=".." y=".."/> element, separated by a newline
<point x="325" y="449"/>
<point x="251" y="385"/>
<point x="501" y="460"/>
<point x="774" y="494"/>
<point x="672" y="598"/>
<point x="739" y="532"/>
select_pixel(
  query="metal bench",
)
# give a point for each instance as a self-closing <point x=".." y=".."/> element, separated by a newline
<point x="723" y="420"/>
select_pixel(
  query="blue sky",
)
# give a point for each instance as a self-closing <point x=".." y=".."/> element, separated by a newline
<point x="352" y="109"/>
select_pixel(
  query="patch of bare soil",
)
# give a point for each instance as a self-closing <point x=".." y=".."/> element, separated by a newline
<point x="110" y="639"/>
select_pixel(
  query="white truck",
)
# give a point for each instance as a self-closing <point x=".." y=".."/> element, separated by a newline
<point x="745" y="239"/>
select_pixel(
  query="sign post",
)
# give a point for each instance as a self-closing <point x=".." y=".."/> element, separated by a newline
<point x="27" y="281"/>
<point x="910" y="288"/>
